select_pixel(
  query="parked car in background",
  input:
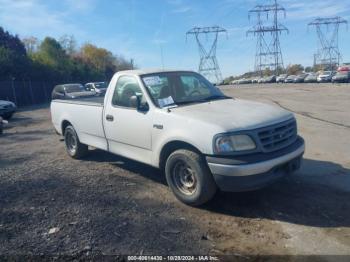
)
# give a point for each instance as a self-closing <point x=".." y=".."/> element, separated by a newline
<point x="325" y="77"/>
<point x="290" y="79"/>
<point x="343" y="68"/>
<point x="7" y="109"/>
<point x="244" y="81"/>
<point x="261" y="80"/>
<point x="311" y="78"/>
<point x="1" y="126"/>
<point x="270" y="79"/>
<point x="242" y="145"/>
<point x="70" y="91"/>
<point x="300" y="78"/>
<point x="281" y="78"/>
<point x="341" y="77"/>
<point x="98" y="87"/>
<point x="255" y="80"/>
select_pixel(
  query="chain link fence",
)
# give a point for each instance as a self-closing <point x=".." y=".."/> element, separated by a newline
<point x="26" y="92"/>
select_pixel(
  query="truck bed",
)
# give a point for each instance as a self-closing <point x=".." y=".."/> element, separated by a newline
<point x="85" y="114"/>
<point x="92" y="101"/>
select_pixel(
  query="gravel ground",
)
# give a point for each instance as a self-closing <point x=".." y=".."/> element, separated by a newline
<point x="52" y="204"/>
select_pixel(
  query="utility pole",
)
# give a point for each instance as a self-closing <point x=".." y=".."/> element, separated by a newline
<point x="208" y="63"/>
<point x="328" y="55"/>
<point x="268" y="49"/>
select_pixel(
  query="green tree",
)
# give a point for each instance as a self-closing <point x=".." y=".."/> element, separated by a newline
<point x="309" y="69"/>
<point x="295" y="69"/>
<point x="52" y="56"/>
<point x="13" y="56"/>
<point x="103" y="61"/>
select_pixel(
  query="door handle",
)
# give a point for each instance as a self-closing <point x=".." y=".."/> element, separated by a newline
<point x="109" y="118"/>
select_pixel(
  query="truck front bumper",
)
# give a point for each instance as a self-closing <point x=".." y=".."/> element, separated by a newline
<point x="249" y="173"/>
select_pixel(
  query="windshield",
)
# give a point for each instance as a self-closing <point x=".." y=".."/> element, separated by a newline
<point x="74" y="88"/>
<point x="101" y="85"/>
<point x="176" y="88"/>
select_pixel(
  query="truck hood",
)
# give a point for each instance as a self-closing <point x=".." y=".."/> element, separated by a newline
<point x="234" y="114"/>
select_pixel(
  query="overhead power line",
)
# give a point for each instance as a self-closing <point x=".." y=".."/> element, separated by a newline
<point x="208" y="63"/>
<point x="268" y="47"/>
<point x="328" y="55"/>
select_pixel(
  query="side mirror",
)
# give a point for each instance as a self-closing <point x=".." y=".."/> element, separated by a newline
<point x="135" y="102"/>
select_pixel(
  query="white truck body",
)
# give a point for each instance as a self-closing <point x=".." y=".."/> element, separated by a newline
<point x="142" y="136"/>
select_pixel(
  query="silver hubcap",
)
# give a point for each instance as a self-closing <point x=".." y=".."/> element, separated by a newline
<point x="184" y="178"/>
<point x="71" y="142"/>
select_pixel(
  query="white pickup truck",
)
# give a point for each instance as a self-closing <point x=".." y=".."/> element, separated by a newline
<point x="179" y="122"/>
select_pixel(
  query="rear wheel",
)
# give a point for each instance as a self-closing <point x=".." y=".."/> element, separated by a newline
<point x="189" y="177"/>
<point x="74" y="148"/>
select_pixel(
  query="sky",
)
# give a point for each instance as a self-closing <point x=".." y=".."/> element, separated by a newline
<point x="153" y="32"/>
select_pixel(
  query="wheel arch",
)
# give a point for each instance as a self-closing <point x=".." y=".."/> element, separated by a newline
<point x="172" y="146"/>
<point x="64" y="125"/>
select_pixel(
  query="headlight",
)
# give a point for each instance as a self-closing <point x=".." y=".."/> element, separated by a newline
<point x="232" y="143"/>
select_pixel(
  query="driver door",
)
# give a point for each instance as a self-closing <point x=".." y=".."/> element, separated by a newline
<point x="128" y="131"/>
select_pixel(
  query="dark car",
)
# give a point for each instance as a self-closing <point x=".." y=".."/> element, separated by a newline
<point x="270" y="79"/>
<point x="7" y="109"/>
<point x="341" y="77"/>
<point x="70" y="91"/>
<point x="290" y="79"/>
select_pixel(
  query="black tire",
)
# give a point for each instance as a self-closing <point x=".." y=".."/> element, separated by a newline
<point x="74" y="148"/>
<point x="189" y="177"/>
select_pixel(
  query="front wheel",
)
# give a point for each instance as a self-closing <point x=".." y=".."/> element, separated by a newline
<point x="189" y="177"/>
<point x="74" y="148"/>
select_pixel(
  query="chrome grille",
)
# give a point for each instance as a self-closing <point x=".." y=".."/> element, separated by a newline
<point x="278" y="136"/>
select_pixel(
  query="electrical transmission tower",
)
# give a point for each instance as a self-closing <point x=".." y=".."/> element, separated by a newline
<point x="328" y="56"/>
<point x="208" y="65"/>
<point x="268" y="48"/>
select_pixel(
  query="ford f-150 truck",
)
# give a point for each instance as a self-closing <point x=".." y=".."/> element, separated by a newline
<point x="179" y="122"/>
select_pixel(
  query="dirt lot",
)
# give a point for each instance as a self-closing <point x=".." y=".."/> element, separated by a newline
<point x="110" y="205"/>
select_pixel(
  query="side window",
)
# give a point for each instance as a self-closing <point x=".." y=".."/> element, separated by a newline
<point x="126" y="87"/>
